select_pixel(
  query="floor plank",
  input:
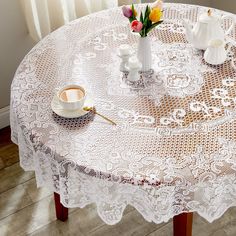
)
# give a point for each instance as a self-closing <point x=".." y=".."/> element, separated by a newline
<point x="29" y="218"/>
<point x="9" y="155"/>
<point x="12" y="176"/>
<point x="13" y="200"/>
<point x="84" y="220"/>
<point x="21" y="196"/>
<point x="35" y="194"/>
<point x="79" y="222"/>
<point x="166" y="230"/>
<point x="5" y="136"/>
<point x="8" y="150"/>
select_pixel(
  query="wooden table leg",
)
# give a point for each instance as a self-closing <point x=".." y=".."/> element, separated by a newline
<point x="183" y="224"/>
<point x="61" y="211"/>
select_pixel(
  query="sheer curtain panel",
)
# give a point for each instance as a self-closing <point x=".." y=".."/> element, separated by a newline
<point x="44" y="16"/>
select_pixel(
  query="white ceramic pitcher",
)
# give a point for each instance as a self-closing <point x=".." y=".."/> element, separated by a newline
<point x="216" y="53"/>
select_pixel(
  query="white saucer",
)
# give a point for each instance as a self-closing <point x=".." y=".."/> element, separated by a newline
<point x="58" y="109"/>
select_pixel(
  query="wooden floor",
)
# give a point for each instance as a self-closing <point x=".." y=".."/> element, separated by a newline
<point x="26" y="210"/>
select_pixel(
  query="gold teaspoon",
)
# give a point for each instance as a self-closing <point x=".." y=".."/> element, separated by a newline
<point x="95" y="112"/>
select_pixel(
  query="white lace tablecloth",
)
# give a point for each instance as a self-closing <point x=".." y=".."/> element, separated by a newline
<point x="174" y="148"/>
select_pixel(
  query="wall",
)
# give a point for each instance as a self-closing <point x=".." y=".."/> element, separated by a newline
<point x="198" y="2"/>
<point x="14" y="44"/>
<point x="227" y="5"/>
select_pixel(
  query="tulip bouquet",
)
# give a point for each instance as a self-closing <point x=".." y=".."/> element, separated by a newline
<point x="148" y="20"/>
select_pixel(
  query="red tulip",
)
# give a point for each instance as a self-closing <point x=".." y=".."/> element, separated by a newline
<point x="136" y="26"/>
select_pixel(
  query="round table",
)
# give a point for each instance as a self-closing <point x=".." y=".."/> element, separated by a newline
<point x="173" y="150"/>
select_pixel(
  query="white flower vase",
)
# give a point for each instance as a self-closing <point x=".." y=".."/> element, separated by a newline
<point x="144" y="53"/>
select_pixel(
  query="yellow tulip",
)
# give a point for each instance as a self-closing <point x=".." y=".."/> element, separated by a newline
<point x="155" y="15"/>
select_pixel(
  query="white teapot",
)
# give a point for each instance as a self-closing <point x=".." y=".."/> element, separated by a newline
<point x="208" y="27"/>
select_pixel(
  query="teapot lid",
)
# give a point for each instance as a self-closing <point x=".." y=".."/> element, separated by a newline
<point x="208" y="17"/>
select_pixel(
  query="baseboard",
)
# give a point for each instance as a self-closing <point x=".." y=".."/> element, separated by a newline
<point x="4" y="117"/>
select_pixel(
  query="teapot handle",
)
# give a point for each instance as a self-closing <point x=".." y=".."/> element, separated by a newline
<point x="231" y="26"/>
<point x="229" y="46"/>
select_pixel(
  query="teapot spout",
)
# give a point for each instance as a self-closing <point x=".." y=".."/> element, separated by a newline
<point x="188" y="28"/>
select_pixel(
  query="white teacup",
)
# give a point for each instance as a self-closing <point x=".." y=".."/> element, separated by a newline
<point x="72" y="97"/>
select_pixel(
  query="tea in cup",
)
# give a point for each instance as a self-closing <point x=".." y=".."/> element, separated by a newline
<point x="72" y="97"/>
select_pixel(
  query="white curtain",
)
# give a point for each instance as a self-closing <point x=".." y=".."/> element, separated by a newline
<point x="44" y="16"/>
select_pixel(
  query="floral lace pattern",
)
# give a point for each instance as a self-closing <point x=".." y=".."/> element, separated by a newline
<point x="174" y="148"/>
<point x="174" y="74"/>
